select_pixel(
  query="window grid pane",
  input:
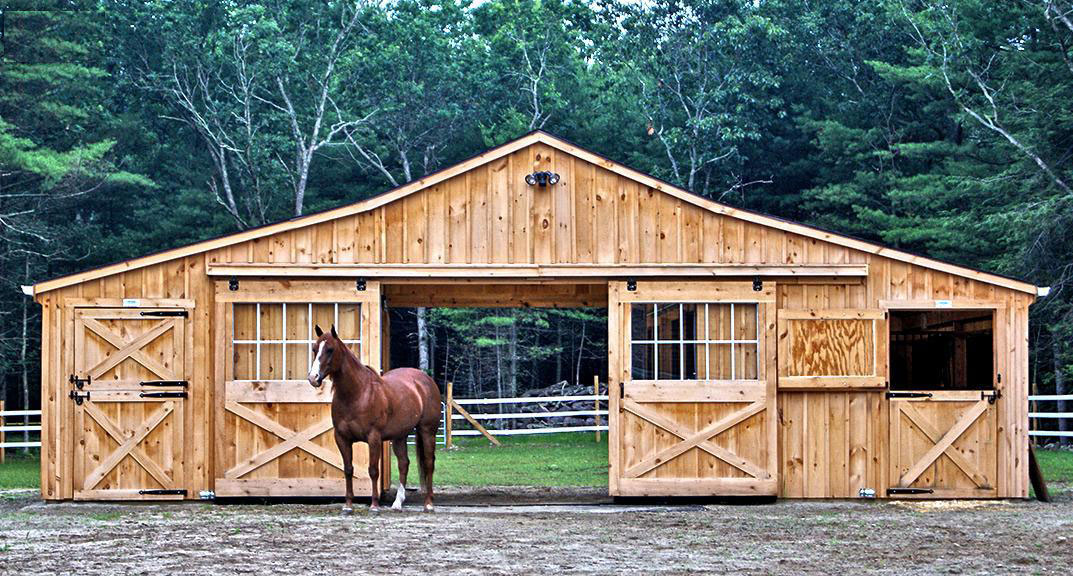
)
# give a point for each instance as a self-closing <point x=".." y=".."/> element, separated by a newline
<point x="278" y="341"/>
<point x="664" y="346"/>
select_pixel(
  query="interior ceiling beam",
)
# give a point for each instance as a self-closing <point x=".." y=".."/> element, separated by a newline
<point x="535" y="271"/>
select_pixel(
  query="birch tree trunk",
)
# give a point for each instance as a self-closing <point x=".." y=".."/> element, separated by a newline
<point x="422" y="340"/>
<point x="22" y="358"/>
<point x="1061" y="386"/>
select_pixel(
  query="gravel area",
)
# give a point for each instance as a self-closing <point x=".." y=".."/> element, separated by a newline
<point x="538" y="530"/>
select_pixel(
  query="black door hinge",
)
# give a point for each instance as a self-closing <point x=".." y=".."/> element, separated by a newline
<point x="631" y="285"/>
<point x="162" y="492"/>
<point x="897" y="491"/>
<point x="79" y="382"/>
<point x="909" y="394"/>
<point x="162" y="395"/>
<point x="360" y="285"/>
<point x="78" y="396"/>
<point x="166" y="313"/>
<point x="162" y="383"/>
<point x="232" y="284"/>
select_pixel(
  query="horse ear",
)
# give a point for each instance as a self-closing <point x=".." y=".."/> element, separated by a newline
<point x="334" y="334"/>
<point x="318" y="331"/>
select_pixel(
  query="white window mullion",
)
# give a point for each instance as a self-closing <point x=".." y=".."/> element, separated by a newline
<point x="707" y="346"/>
<point x="284" y="373"/>
<point x="681" y="345"/>
<point x="733" y="368"/>
<point x="257" y="338"/>
<point x="655" y="341"/>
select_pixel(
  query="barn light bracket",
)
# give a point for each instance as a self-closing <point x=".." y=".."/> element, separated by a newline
<point x="542" y="179"/>
<point x="758" y="284"/>
<point x="232" y="284"/>
<point x="359" y="285"/>
<point x="631" y="285"/>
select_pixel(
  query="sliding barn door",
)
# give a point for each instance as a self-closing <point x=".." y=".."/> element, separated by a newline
<point x="694" y="368"/>
<point x="129" y="388"/>
<point x="274" y="429"/>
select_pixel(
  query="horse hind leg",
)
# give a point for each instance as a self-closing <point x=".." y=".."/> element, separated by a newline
<point x="426" y="442"/>
<point x="398" y="446"/>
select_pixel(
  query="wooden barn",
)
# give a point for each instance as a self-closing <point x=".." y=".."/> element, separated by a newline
<point x="747" y="355"/>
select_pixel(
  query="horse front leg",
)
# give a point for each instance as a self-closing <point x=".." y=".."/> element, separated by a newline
<point x="376" y="447"/>
<point x="346" y="450"/>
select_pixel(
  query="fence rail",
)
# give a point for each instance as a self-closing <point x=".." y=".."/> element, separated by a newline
<point x="1044" y="415"/>
<point x="21" y="427"/>
<point x="455" y="411"/>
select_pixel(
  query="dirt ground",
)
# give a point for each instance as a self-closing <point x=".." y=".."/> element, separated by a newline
<point x="505" y="531"/>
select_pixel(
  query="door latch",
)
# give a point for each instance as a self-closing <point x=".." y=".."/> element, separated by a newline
<point x="992" y="397"/>
<point x="79" y="382"/>
<point x="78" y="396"/>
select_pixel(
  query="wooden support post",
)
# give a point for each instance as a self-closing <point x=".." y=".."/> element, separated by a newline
<point x="447" y="406"/>
<point x="596" y="391"/>
<point x="476" y="424"/>
<point x="1035" y="476"/>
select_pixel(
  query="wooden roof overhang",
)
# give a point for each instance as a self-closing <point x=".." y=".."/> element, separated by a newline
<point x="508" y="148"/>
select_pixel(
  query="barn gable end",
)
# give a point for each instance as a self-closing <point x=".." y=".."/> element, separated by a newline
<point x="601" y="222"/>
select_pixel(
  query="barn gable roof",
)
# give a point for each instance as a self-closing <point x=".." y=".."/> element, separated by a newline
<point x="537" y="137"/>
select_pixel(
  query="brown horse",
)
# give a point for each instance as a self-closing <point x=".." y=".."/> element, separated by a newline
<point x="368" y="407"/>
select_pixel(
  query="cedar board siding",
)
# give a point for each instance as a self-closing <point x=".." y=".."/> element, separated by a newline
<point x="831" y="442"/>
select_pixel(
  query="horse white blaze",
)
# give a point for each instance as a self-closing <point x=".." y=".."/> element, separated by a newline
<point x="314" y="369"/>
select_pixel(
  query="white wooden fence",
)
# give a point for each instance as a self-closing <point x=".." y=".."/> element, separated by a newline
<point x="6" y="429"/>
<point x="456" y="410"/>
<point x="1038" y="415"/>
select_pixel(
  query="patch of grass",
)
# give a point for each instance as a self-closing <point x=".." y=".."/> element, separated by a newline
<point x="567" y="459"/>
<point x="1057" y="465"/>
<point x="20" y="472"/>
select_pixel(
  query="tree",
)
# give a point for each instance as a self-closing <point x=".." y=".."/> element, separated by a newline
<point x="55" y="156"/>
<point x="705" y="83"/>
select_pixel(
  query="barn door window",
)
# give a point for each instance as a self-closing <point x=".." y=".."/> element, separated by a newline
<point x="694" y="341"/>
<point x="942" y="350"/>
<point x="273" y="341"/>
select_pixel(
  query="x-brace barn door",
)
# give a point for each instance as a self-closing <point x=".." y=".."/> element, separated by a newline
<point x="129" y="388"/>
<point x="693" y="397"/>
<point x="275" y="430"/>
<point x="943" y="444"/>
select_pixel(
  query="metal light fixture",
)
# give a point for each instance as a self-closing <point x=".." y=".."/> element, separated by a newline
<point x="542" y="179"/>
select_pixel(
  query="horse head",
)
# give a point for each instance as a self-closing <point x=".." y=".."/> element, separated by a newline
<point x="328" y="352"/>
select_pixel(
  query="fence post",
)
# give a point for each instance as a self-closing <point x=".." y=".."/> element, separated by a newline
<point x="3" y="435"/>
<point x="596" y="391"/>
<point x="449" y="404"/>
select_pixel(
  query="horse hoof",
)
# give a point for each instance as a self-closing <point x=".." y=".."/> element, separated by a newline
<point x="429" y="508"/>
<point x="347" y="511"/>
<point x="374" y="509"/>
<point x="396" y="506"/>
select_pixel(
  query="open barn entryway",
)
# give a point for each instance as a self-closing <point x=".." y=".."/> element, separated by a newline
<point x="523" y="373"/>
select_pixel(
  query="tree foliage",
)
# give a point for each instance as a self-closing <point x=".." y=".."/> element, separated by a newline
<point x="940" y="127"/>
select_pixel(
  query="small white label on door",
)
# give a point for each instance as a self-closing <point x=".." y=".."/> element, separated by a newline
<point x="131" y="303"/>
<point x="944" y="304"/>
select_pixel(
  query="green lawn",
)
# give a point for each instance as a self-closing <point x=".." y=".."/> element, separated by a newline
<point x="1057" y="465"/>
<point x="540" y="460"/>
<point x="20" y="472"/>
<point x="568" y="459"/>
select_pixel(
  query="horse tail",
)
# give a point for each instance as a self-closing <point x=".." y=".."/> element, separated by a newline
<point x="420" y="446"/>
